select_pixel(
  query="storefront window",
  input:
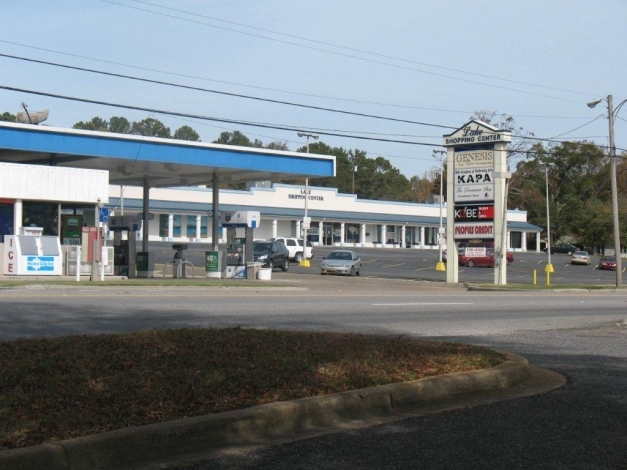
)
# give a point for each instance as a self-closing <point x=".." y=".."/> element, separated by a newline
<point x="176" y="225"/>
<point x="40" y="214"/>
<point x="191" y="226"/>
<point x="163" y="225"/>
<point x="204" y="220"/>
<point x="352" y="233"/>
<point x="6" y="220"/>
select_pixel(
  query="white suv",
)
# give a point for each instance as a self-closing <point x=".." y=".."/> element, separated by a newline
<point x="295" y="247"/>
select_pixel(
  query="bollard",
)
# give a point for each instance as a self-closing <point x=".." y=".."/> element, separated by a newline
<point x="535" y="277"/>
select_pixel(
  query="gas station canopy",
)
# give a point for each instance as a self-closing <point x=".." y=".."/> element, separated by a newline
<point x="131" y="159"/>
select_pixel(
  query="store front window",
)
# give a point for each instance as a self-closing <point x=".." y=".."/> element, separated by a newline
<point x="41" y="214"/>
<point x="6" y="220"/>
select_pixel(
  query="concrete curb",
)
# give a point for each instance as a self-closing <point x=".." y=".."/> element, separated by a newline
<point x="134" y="447"/>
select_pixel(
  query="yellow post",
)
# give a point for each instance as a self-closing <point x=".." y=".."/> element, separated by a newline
<point x="548" y="270"/>
<point x="535" y="277"/>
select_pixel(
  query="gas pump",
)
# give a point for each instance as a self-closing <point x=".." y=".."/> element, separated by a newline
<point x="239" y="252"/>
<point x="235" y="261"/>
<point x="125" y="251"/>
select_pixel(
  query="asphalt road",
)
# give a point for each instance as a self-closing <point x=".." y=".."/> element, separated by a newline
<point x="580" y="426"/>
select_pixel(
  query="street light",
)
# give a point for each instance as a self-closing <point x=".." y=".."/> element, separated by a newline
<point x="440" y="265"/>
<point x="611" y="114"/>
<point x="305" y="261"/>
<point x="549" y="267"/>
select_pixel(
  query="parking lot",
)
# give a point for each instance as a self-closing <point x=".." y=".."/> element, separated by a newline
<point x="411" y="264"/>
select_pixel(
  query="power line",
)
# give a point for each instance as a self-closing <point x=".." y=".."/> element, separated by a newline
<point x="361" y="51"/>
<point x="207" y="118"/>
<point x="237" y="95"/>
<point x="345" y="55"/>
<point x="275" y="90"/>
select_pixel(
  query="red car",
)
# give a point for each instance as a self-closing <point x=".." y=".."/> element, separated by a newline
<point x="608" y="262"/>
<point x="479" y="256"/>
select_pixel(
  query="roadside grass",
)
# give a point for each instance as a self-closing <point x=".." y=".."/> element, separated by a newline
<point x="60" y="388"/>
<point x="541" y="286"/>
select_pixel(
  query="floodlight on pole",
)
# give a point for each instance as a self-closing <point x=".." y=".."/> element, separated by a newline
<point x="611" y="114"/>
<point x="305" y="261"/>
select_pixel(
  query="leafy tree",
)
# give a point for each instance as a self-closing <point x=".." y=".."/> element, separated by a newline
<point x="577" y="179"/>
<point x="120" y="125"/>
<point x="8" y="117"/>
<point x="276" y="145"/>
<point x="186" y="133"/>
<point x="233" y="138"/>
<point x="423" y="187"/>
<point x="150" y="127"/>
<point x="96" y="124"/>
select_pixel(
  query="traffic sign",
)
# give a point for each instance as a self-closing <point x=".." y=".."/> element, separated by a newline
<point x="104" y="215"/>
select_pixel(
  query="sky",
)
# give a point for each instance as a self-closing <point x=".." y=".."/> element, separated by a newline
<point x="390" y="77"/>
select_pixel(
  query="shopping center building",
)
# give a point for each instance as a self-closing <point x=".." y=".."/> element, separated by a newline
<point x="181" y="215"/>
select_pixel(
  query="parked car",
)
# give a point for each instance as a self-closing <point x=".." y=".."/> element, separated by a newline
<point x="271" y="254"/>
<point x="295" y="247"/>
<point x="567" y="248"/>
<point x="345" y="262"/>
<point x="580" y="257"/>
<point x="480" y="256"/>
<point x="608" y="262"/>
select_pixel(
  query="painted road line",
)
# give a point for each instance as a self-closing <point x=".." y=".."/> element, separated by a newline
<point x="421" y="303"/>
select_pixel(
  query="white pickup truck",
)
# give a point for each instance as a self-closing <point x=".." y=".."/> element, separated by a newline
<point x="295" y="247"/>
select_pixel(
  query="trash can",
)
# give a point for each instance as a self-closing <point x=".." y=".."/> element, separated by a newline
<point x="252" y="270"/>
<point x="265" y="274"/>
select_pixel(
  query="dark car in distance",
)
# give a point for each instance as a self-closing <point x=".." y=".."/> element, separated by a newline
<point x="567" y="248"/>
<point x="271" y="254"/>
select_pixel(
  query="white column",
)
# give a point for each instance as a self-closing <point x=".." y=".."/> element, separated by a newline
<point x="384" y="235"/>
<point x="422" y="236"/>
<point x="18" y="215"/>
<point x="170" y="226"/>
<point x="342" y="232"/>
<point x="362" y="235"/>
<point x="321" y="232"/>
<point x="198" y="228"/>
<point x="299" y="234"/>
<point x="509" y="240"/>
<point x="523" y="241"/>
<point x="403" y="232"/>
<point x="275" y="224"/>
<point x="538" y="242"/>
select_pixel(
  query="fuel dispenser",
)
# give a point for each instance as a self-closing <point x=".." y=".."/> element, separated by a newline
<point x="235" y="260"/>
<point x="125" y="251"/>
<point x="239" y="252"/>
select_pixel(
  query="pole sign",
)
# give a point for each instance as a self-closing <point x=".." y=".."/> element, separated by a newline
<point x="476" y="155"/>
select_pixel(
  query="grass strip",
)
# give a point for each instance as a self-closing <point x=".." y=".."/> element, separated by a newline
<point x="60" y="388"/>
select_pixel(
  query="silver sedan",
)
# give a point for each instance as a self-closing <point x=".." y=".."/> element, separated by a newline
<point x="345" y="262"/>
